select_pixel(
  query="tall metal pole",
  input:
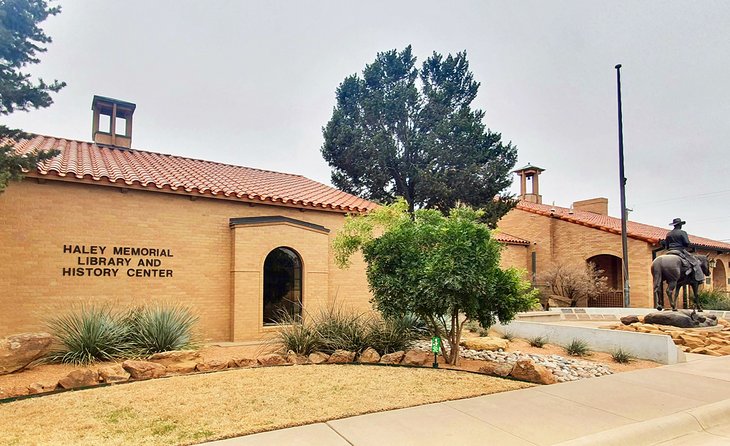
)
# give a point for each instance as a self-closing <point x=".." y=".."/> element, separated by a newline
<point x="622" y="184"/>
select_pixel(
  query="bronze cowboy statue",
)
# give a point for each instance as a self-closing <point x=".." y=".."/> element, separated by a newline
<point x="677" y="242"/>
<point x="678" y="268"/>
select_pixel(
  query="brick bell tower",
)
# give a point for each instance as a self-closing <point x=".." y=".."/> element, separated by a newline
<point x="530" y="174"/>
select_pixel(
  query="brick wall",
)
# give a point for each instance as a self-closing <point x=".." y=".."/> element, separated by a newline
<point x="37" y="220"/>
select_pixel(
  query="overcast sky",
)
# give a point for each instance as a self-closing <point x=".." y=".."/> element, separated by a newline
<point x="252" y="84"/>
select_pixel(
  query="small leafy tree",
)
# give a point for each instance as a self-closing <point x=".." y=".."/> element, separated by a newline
<point x="443" y="269"/>
<point x="574" y="283"/>
<point x="21" y="39"/>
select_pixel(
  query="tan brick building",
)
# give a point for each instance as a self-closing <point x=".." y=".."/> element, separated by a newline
<point x="544" y="234"/>
<point x="104" y="223"/>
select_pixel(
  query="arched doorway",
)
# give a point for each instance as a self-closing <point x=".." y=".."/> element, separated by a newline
<point x="612" y="269"/>
<point x="719" y="276"/>
<point x="282" y="286"/>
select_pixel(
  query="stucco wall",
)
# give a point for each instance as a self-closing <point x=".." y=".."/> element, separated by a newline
<point x="38" y="220"/>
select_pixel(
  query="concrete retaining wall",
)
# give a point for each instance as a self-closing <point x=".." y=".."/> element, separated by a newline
<point x="658" y="348"/>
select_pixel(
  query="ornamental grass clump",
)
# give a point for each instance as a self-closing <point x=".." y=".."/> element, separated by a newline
<point x="89" y="333"/>
<point x="537" y="341"/>
<point x="621" y="356"/>
<point x="577" y="347"/>
<point x="160" y="328"/>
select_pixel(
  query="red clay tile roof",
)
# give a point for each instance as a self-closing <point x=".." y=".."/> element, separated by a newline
<point x="639" y="231"/>
<point x="508" y="239"/>
<point x="88" y="162"/>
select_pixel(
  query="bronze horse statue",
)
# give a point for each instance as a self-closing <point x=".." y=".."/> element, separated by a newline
<point x="669" y="268"/>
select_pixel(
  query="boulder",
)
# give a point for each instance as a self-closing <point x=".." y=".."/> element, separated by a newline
<point x="416" y="357"/>
<point x="674" y="318"/>
<point x="13" y="392"/>
<point x="724" y="350"/>
<point x="341" y="357"/>
<point x="628" y="320"/>
<point x="527" y="370"/>
<point x="182" y="368"/>
<point x="211" y="365"/>
<point x="42" y="387"/>
<point x="318" y="357"/>
<point x="271" y="359"/>
<point x="114" y="374"/>
<point x="19" y="350"/>
<point x="692" y="341"/>
<point x="167" y="358"/>
<point x="500" y="369"/>
<point x="392" y="358"/>
<point x="295" y="358"/>
<point x="486" y="343"/>
<point x="79" y="378"/>
<point x="240" y="361"/>
<point x="144" y="369"/>
<point x="369" y="356"/>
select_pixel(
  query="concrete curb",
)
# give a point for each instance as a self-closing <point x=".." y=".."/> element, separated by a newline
<point x="657" y="430"/>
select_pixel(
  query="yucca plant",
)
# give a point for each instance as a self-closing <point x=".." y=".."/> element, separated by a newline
<point x="160" y="328"/>
<point x="298" y="337"/>
<point x="340" y="329"/>
<point x="87" y="334"/>
<point x="392" y="335"/>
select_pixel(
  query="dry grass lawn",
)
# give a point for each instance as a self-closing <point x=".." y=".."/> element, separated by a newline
<point x="197" y="408"/>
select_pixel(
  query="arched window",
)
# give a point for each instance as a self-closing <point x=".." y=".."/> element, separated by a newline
<point x="282" y="286"/>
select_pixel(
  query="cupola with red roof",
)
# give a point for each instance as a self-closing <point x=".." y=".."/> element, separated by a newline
<point x="112" y="122"/>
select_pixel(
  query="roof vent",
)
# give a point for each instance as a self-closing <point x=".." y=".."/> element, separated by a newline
<point x="112" y="122"/>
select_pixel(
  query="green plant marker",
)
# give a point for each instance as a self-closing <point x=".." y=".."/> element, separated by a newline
<point x="436" y="349"/>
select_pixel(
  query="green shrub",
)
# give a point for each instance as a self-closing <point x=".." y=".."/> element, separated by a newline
<point x="537" y="341"/>
<point x="714" y="300"/>
<point x="87" y="334"/>
<point x="160" y="328"/>
<point x="577" y="347"/>
<point x="621" y="356"/>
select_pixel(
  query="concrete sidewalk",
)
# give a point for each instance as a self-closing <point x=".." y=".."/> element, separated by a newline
<point x="681" y="404"/>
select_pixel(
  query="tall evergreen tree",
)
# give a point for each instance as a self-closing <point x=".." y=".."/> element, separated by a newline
<point x="21" y="39"/>
<point x="403" y="131"/>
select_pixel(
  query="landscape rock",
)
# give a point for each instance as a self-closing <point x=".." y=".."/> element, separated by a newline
<point x="369" y="356"/>
<point x="341" y="357"/>
<point x="240" y="361"/>
<point x="318" y="357"/>
<point x="416" y="357"/>
<point x="271" y="359"/>
<point x="42" y="387"/>
<point x="144" y="369"/>
<point x="211" y="365"/>
<point x="19" y="350"/>
<point x="167" y="358"/>
<point x="182" y="368"/>
<point x="674" y="318"/>
<point x="295" y="358"/>
<point x="113" y="374"/>
<point x="500" y="369"/>
<point x="392" y="358"/>
<point x="486" y="343"/>
<point x="12" y="392"/>
<point x="527" y="370"/>
<point x="79" y="378"/>
<point x="628" y="320"/>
